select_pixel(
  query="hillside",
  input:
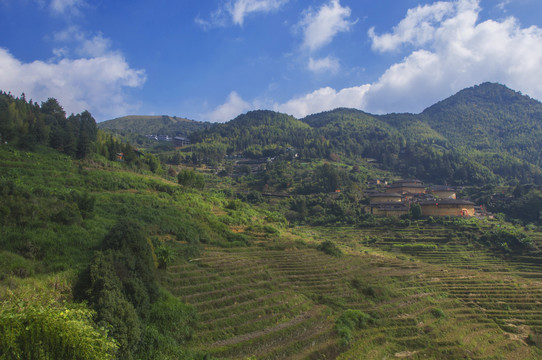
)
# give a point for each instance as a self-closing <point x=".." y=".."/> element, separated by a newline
<point x="254" y="242"/>
<point x="485" y="134"/>
<point x="147" y="125"/>
<point x="490" y="117"/>
<point x="426" y="289"/>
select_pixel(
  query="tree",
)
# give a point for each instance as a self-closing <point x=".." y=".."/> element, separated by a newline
<point x="416" y="211"/>
<point x="51" y="332"/>
<point x="190" y="178"/>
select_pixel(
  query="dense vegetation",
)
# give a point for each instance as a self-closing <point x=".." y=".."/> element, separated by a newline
<point x="253" y="241"/>
<point x="152" y="125"/>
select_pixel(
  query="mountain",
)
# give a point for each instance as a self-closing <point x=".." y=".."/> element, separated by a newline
<point x="490" y="117"/>
<point x="145" y="125"/>
<point x="257" y="129"/>
<point x="484" y="134"/>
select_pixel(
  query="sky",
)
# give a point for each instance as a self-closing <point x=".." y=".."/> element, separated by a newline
<point x="215" y="59"/>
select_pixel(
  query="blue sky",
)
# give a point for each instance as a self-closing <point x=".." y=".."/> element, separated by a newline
<point x="212" y="60"/>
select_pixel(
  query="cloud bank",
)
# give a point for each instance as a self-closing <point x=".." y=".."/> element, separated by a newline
<point x="95" y="84"/>
<point x="445" y="50"/>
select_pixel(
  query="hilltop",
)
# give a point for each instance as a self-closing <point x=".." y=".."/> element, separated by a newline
<point x="146" y="125"/>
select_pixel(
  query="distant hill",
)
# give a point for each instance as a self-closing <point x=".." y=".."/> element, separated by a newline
<point x="484" y="134"/>
<point x="490" y="117"/>
<point x="145" y="125"/>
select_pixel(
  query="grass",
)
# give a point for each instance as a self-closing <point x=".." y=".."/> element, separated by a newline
<point x="266" y="290"/>
<point x="464" y="307"/>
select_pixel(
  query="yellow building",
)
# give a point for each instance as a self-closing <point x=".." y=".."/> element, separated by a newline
<point x="447" y="207"/>
<point x="406" y="187"/>
<point x="443" y="192"/>
<point x="386" y="198"/>
<point x="388" y="211"/>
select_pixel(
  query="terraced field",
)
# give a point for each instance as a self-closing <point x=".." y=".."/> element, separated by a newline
<point x="448" y="299"/>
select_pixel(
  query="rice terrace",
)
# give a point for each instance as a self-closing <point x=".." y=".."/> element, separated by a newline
<point x="346" y="179"/>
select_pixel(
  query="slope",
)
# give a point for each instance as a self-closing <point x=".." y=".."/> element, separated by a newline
<point x="144" y="125"/>
<point x="490" y="117"/>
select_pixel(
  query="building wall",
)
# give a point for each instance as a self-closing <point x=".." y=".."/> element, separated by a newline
<point x="447" y="210"/>
<point x="388" y="212"/>
<point x="381" y="199"/>
<point x="406" y="189"/>
<point x="444" y="194"/>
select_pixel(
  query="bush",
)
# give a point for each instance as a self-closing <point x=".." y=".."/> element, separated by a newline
<point x="329" y="248"/>
<point x="349" y="321"/>
<point x="190" y="178"/>
<point x="48" y="332"/>
<point x="438" y="313"/>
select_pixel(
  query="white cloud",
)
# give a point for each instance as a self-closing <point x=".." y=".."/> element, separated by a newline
<point x="417" y="28"/>
<point x="238" y="10"/>
<point x="234" y="106"/>
<point x="84" y="44"/>
<point x="450" y="52"/>
<point x="96" y="84"/>
<point x="328" y="63"/>
<point x="63" y="7"/>
<point x="320" y="27"/>
<point x="458" y="53"/>
<point x="325" y="99"/>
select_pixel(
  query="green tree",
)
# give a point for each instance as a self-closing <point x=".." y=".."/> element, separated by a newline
<point x="415" y="211"/>
<point x="51" y="332"/>
<point x="190" y="178"/>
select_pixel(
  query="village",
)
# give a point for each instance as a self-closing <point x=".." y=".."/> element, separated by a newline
<point x="437" y="200"/>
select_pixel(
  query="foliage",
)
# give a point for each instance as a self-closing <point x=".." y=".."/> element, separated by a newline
<point x="171" y="323"/>
<point x="165" y="256"/>
<point x="507" y="238"/>
<point x="35" y="332"/>
<point x="120" y="285"/>
<point x="152" y="125"/>
<point x="349" y="321"/>
<point x="26" y="125"/>
<point x="415" y="211"/>
<point x="39" y="321"/>
<point x="330" y="248"/>
<point x="190" y="178"/>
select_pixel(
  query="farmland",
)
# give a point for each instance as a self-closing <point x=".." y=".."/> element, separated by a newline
<point x="281" y="298"/>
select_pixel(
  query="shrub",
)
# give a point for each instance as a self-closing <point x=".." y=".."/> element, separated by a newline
<point x="438" y="313"/>
<point x="165" y="256"/>
<point x="330" y="248"/>
<point x="48" y="332"/>
<point x="349" y="321"/>
<point x="190" y="178"/>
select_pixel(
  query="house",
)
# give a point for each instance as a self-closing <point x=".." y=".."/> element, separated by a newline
<point x="387" y="204"/>
<point x="406" y="187"/>
<point x="443" y="192"/>
<point x="180" y="141"/>
<point x="447" y="207"/>
<point x="164" y="138"/>
<point x="389" y="210"/>
<point x="120" y="156"/>
<point x="378" y="198"/>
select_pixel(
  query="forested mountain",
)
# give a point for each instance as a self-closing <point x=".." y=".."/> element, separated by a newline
<point x="145" y="125"/>
<point x="484" y="134"/>
<point x="490" y="117"/>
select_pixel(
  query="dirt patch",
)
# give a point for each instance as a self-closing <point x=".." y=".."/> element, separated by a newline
<point x="405" y="354"/>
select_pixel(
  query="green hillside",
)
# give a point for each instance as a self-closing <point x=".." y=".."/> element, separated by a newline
<point x="490" y="117"/>
<point x="254" y="242"/>
<point x="152" y="125"/>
